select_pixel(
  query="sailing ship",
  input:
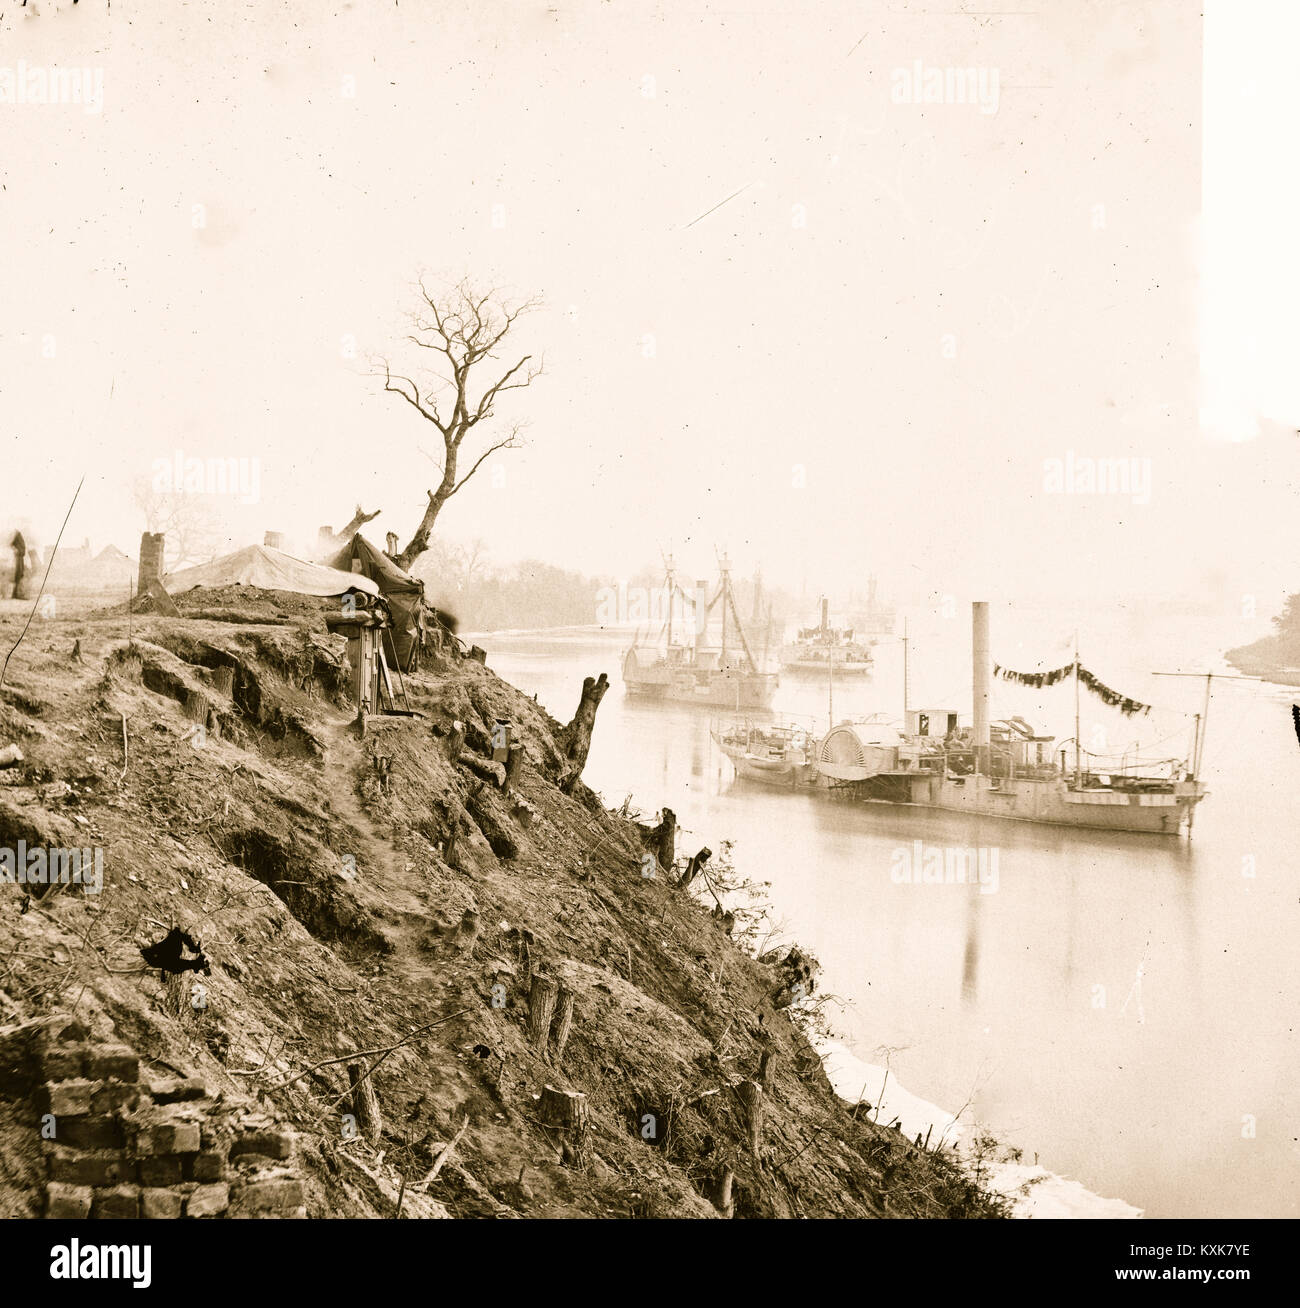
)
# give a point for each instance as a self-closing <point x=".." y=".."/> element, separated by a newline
<point x="682" y="667"/>
<point x="1005" y="769"/>
<point x="824" y="649"/>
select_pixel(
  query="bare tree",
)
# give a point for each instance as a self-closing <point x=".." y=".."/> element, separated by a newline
<point x="192" y="528"/>
<point x="466" y="328"/>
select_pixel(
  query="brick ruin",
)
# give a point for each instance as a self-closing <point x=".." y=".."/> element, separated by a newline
<point x="120" y="1143"/>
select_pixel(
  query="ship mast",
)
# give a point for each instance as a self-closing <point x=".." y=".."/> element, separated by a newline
<point x="980" y="684"/>
<point x="671" y="582"/>
<point x="724" y="566"/>
<point x="1203" y="718"/>
<point x="1078" y="759"/>
<point x="904" y="673"/>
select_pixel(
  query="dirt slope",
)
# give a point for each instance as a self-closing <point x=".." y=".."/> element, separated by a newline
<point x="348" y="893"/>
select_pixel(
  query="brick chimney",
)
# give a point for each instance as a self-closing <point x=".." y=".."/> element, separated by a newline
<point x="151" y="561"/>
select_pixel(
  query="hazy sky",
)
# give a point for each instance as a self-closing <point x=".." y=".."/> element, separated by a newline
<point x="859" y="363"/>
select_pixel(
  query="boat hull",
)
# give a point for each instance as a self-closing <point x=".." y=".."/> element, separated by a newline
<point x="1052" y="802"/>
<point x="719" y="689"/>
<point x="818" y="668"/>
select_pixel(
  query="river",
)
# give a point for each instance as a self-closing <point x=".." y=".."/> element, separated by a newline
<point x="1120" y="1007"/>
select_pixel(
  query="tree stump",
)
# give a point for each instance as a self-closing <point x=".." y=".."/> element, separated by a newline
<point x="693" y="867"/>
<point x="456" y="741"/>
<point x="196" y="707"/>
<point x="723" y="1201"/>
<point x="541" y="1007"/>
<point x="663" y="840"/>
<point x="767" y="1070"/>
<point x="574" y="740"/>
<point x="495" y="831"/>
<point x="565" y="1113"/>
<point x="562" y="1024"/>
<point x="751" y="1095"/>
<point x="365" y="1104"/>
<point x="514" y="765"/>
<point x="223" y="680"/>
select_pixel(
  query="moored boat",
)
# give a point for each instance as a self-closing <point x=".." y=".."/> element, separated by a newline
<point x="692" y="671"/>
<point x="775" y="753"/>
<point x="1004" y="769"/>
<point x="825" y="649"/>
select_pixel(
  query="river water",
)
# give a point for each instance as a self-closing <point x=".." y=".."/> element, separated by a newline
<point x="1120" y="1007"/>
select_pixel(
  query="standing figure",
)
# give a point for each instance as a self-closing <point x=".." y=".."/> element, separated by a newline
<point x="19" y="546"/>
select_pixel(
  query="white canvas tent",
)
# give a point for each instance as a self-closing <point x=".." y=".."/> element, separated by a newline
<point x="269" y="569"/>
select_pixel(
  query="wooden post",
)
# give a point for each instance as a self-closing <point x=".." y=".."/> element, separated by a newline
<point x="541" y="1007"/>
<point x="565" y="1112"/>
<point x="562" y="1025"/>
<point x="365" y="1104"/>
<point x="751" y="1095"/>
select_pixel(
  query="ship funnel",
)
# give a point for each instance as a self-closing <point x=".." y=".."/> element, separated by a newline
<point x="980" y="669"/>
<point x="701" y="613"/>
<point x="826" y="614"/>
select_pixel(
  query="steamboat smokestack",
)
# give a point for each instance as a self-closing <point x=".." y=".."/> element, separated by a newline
<point x="980" y="668"/>
<point x="701" y="614"/>
<point x="826" y="614"/>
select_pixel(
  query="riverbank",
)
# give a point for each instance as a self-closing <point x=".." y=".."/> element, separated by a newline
<point x="375" y="912"/>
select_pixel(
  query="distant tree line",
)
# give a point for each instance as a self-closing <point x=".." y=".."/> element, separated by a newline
<point x="483" y="597"/>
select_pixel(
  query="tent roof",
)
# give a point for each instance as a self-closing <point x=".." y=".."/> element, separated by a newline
<point x="391" y="578"/>
<point x="269" y="569"/>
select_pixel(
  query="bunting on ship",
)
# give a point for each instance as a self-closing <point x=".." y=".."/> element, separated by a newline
<point x="1128" y="707"/>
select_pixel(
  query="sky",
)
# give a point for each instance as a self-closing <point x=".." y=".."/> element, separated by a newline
<point x="791" y="309"/>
